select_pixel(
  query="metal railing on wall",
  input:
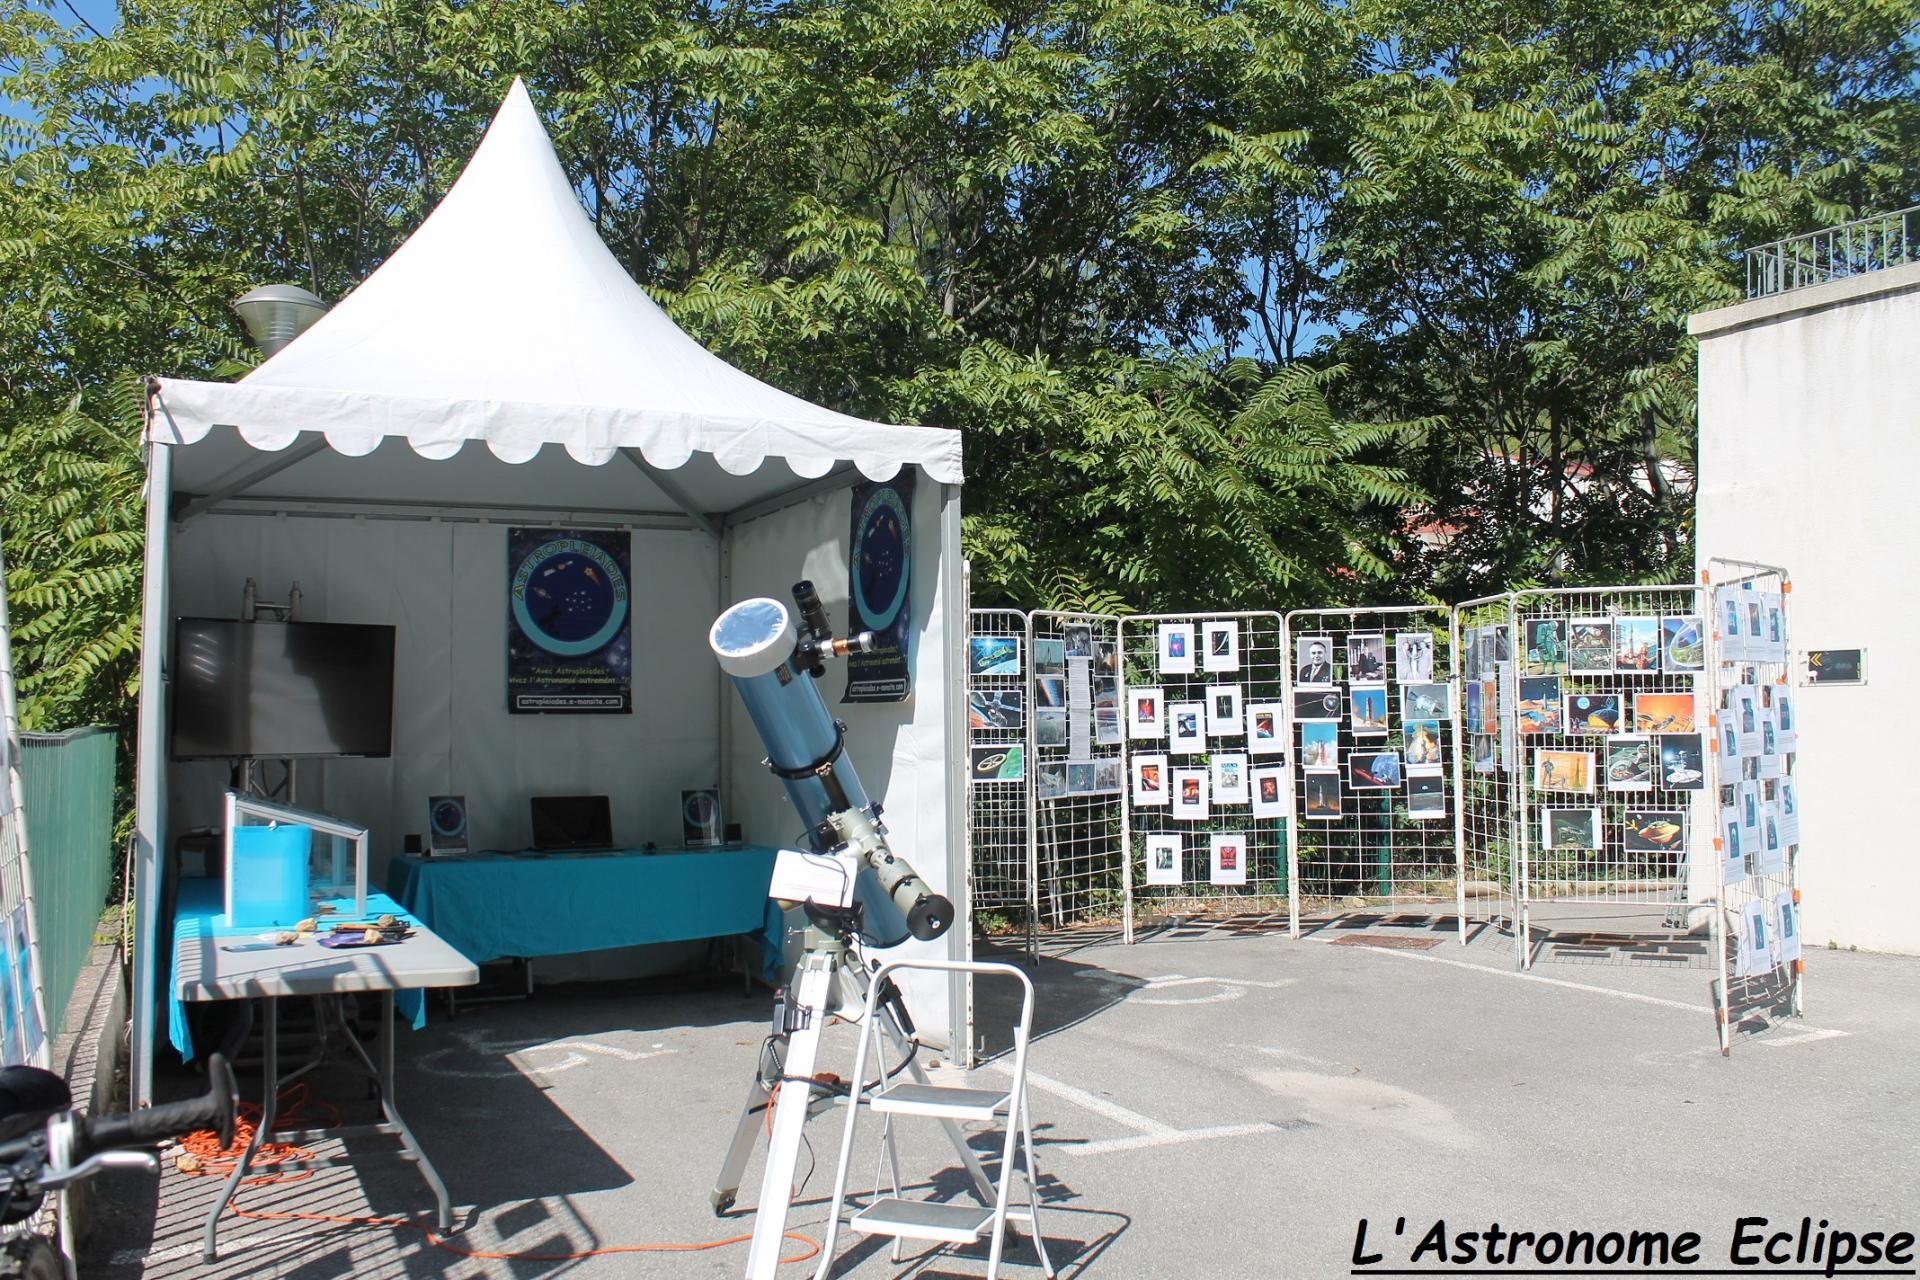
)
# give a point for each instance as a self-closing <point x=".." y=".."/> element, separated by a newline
<point x="1834" y="253"/>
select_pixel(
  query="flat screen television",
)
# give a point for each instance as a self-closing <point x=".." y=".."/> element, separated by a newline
<point x="281" y="689"/>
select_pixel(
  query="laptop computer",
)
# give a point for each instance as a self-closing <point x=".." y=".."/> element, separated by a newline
<point x="565" y="823"/>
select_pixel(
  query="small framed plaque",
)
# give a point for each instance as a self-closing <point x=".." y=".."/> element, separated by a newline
<point x="700" y="818"/>
<point x="1835" y="666"/>
<point x="446" y="824"/>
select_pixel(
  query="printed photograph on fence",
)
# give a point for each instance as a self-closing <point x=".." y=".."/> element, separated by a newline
<point x="1492" y="702"/>
<point x="1050" y="727"/>
<point x="993" y="655"/>
<point x="1783" y="718"/>
<point x="1593" y="713"/>
<point x="1079" y="777"/>
<point x="1786" y="926"/>
<point x="1229" y="778"/>
<point x="1146" y="717"/>
<point x="1223" y="711"/>
<point x="1484" y="754"/>
<point x="1636" y="644"/>
<point x="996" y="710"/>
<point x="1050" y="656"/>
<point x="1106" y="658"/>
<point x="1313" y="662"/>
<point x="1229" y="857"/>
<point x="1426" y="792"/>
<point x="1590" y="647"/>
<point x="1654" y="831"/>
<point x="1263" y="729"/>
<point x="1788" y="792"/>
<point x="1728" y="744"/>
<point x="1420" y="741"/>
<point x="1664" y="713"/>
<point x="1682" y="762"/>
<point x="1317" y="705"/>
<point x="1546" y="647"/>
<point x="1776" y="627"/>
<point x="1004" y="762"/>
<point x="1733" y="861"/>
<point x="1320" y="745"/>
<point x="1744" y="710"/>
<point x="1747" y="798"/>
<point x="1495" y="645"/>
<point x="1476" y="712"/>
<point x="1769" y="748"/>
<point x="1050" y="781"/>
<point x="1106" y="726"/>
<point x="1630" y="764"/>
<point x="1570" y="828"/>
<point x="1366" y="657"/>
<point x="1269" y="794"/>
<point x="1770" y="858"/>
<point x="1470" y="654"/>
<point x="1150" y="781"/>
<point x="1079" y="638"/>
<point x="1322" y="791"/>
<point x="1050" y="691"/>
<point x="1683" y="644"/>
<point x="1109" y="776"/>
<point x="1186" y="728"/>
<point x="1222" y="646"/>
<point x="1562" y="770"/>
<point x="1190" y="795"/>
<point x="1413" y="657"/>
<point x="1163" y="860"/>
<point x="1756" y="953"/>
<point x="1176" y="648"/>
<point x="1426" y="702"/>
<point x="1541" y="708"/>
<point x="1369" y="710"/>
<point x="1369" y="770"/>
<point x="1106" y="691"/>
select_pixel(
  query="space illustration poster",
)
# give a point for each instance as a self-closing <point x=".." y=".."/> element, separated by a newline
<point x="569" y="622"/>
<point x="880" y="590"/>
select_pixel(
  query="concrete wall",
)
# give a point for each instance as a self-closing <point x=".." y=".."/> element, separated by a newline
<point x="1809" y="459"/>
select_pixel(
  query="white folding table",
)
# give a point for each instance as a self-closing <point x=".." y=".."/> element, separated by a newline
<point x="208" y="967"/>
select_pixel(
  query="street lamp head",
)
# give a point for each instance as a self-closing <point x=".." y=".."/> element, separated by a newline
<point x="276" y="314"/>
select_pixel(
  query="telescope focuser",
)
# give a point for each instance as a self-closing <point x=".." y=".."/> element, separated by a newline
<point x="817" y="642"/>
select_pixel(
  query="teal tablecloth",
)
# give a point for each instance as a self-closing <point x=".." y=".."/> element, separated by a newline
<point x="198" y="915"/>
<point x="496" y="906"/>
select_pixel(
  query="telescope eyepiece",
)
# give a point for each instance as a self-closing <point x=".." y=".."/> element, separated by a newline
<point x="813" y="614"/>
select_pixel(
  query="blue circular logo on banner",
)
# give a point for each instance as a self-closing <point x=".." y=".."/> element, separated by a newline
<point x="880" y="552"/>
<point x="569" y="597"/>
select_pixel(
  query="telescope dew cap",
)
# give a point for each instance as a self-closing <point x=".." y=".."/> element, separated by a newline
<point x="930" y="917"/>
<point x="752" y="638"/>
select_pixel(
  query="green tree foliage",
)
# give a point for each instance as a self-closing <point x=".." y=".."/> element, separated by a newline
<point x="1229" y="299"/>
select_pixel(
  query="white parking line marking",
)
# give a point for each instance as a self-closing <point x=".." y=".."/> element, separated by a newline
<point x="1148" y="1131"/>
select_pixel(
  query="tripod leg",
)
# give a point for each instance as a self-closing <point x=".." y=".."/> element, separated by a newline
<point x="813" y="985"/>
<point x="726" y="1188"/>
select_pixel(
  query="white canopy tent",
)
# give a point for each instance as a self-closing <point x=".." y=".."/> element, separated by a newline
<point x="348" y="462"/>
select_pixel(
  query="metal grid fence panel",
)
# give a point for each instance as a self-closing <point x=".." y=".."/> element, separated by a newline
<point x="1206" y="746"/>
<point x="1609" y="737"/>
<point x="1490" y="837"/>
<point x="998" y="673"/>
<point x="1372" y="720"/>
<point x="1077" y="767"/>
<point x="1756" y="818"/>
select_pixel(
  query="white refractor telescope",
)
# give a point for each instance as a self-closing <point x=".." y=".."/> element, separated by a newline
<point x="774" y="665"/>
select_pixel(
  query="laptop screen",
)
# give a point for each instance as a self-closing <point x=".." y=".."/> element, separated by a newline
<point x="572" y="822"/>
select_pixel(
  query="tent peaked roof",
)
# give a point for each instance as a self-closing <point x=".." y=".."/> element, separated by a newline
<point x="504" y="318"/>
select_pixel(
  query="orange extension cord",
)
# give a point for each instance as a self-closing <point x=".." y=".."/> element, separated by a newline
<point x="202" y="1156"/>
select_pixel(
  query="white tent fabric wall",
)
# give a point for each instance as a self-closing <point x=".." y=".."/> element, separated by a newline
<point x="901" y="750"/>
<point x="441" y="584"/>
<point x="503" y="325"/>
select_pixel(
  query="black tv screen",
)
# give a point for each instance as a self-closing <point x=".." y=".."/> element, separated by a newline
<point x="274" y="689"/>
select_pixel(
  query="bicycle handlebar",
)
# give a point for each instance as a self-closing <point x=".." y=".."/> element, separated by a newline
<point x="213" y="1110"/>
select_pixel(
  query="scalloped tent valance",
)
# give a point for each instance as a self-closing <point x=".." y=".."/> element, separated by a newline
<point x="505" y="319"/>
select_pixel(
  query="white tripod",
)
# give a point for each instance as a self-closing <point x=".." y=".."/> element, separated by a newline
<point x="829" y="982"/>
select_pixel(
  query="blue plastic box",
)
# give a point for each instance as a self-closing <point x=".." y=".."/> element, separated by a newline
<point x="267" y="875"/>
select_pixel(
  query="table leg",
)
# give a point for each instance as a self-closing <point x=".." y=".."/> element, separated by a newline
<point x="270" y="1073"/>
<point x="383" y="1075"/>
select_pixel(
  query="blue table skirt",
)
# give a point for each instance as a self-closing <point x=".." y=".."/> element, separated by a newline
<point x="198" y="915"/>
<point x="496" y="906"/>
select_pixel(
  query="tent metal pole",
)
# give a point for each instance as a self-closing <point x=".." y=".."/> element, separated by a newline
<point x="723" y="685"/>
<point x="150" y="792"/>
<point x="266" y="470"/>
<point x="319" y="508"/>
<point x="674" y="492"/>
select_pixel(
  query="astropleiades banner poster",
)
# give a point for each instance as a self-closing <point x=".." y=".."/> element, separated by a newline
<point x="569" y="624"/>
<point x="879" y="560"/>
